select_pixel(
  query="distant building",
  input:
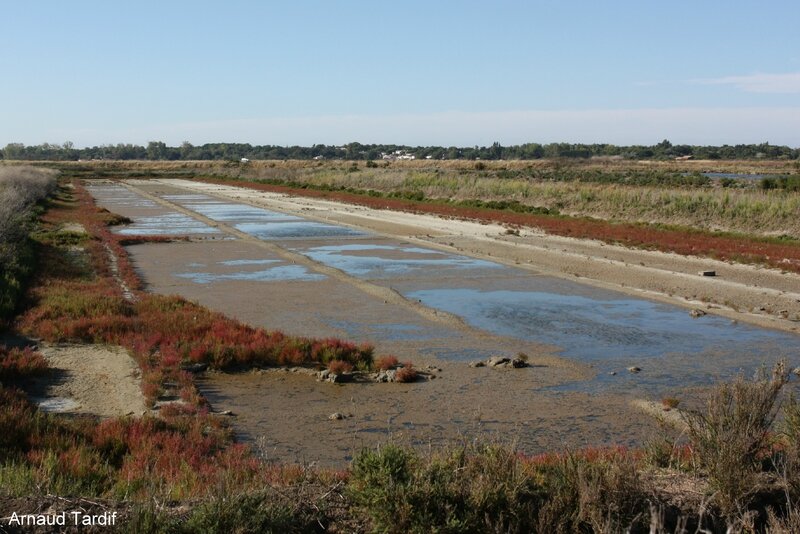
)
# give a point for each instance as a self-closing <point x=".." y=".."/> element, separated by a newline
<point x="398" y="154"/>
<point x="684" y="158"/>
<point x="245" y="160"/>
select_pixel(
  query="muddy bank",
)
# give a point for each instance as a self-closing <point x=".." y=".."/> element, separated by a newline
<point x="287" y="416"/>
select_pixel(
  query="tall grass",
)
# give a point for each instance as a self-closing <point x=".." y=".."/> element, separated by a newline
<point x="20" y="189"/>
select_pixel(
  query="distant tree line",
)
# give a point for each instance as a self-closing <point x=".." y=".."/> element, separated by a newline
<point x="157" y="150"/>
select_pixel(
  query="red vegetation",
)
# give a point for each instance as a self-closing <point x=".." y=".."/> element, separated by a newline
<point x="340" y="367"/>
<point x="185" y="452"/>
<point x="588" y="454"/>
<point x="670" y="402"/>
<point x="407" y="373"/>
<point x="698" y="243"/>
<point x="384" y="363"/>
<point x="19" y="363"/>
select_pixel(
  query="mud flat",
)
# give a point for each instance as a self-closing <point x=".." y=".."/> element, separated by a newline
<point x="310" y="270"/>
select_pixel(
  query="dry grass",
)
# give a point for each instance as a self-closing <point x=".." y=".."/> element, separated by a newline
<point x="21" y="188"/>
<point x="748" y="210"/>
<point x="727" y="166"/>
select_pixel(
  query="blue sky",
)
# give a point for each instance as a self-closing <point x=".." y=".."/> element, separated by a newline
<point x="446" y="73"/>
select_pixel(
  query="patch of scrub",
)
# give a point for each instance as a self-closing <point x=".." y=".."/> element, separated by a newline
<point x="611" y="331"/>
<point x="733" y="175"/>
<point x="350" y="259"/>
<point x="279" y="273"/>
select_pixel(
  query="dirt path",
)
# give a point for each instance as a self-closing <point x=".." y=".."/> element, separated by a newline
<point x="89" y="379"/>
<point x="757" y="295"/>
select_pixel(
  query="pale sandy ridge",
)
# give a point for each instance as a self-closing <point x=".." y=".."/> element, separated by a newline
<point x="92" y="379"/>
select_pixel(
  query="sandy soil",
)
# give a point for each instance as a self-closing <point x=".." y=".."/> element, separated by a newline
<point x="90" y="379"/>
<point x="761" y="296"/>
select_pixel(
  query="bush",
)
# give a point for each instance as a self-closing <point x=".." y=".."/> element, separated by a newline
<point x="731" y="436"/>
<point x="457" y="492"/>
<point x="340" y="367"/>
<point x="494" y="489"/>
<point x="248" y="513"/>
<point x="407" y="373"/>
<point x="788" y="462"/>
<point x="593" y="491"/>
<point x="384" y="363"/>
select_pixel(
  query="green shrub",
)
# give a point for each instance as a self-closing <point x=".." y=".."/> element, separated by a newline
<point x="592" y="493"/>
<point x="486" y="490"/>
<point x="248" y="513"/>
<point x="732" y="434"/>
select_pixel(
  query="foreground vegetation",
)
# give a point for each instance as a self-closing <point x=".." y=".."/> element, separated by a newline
<point x="735" y="471"/>
<point x="180" y="470"/>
